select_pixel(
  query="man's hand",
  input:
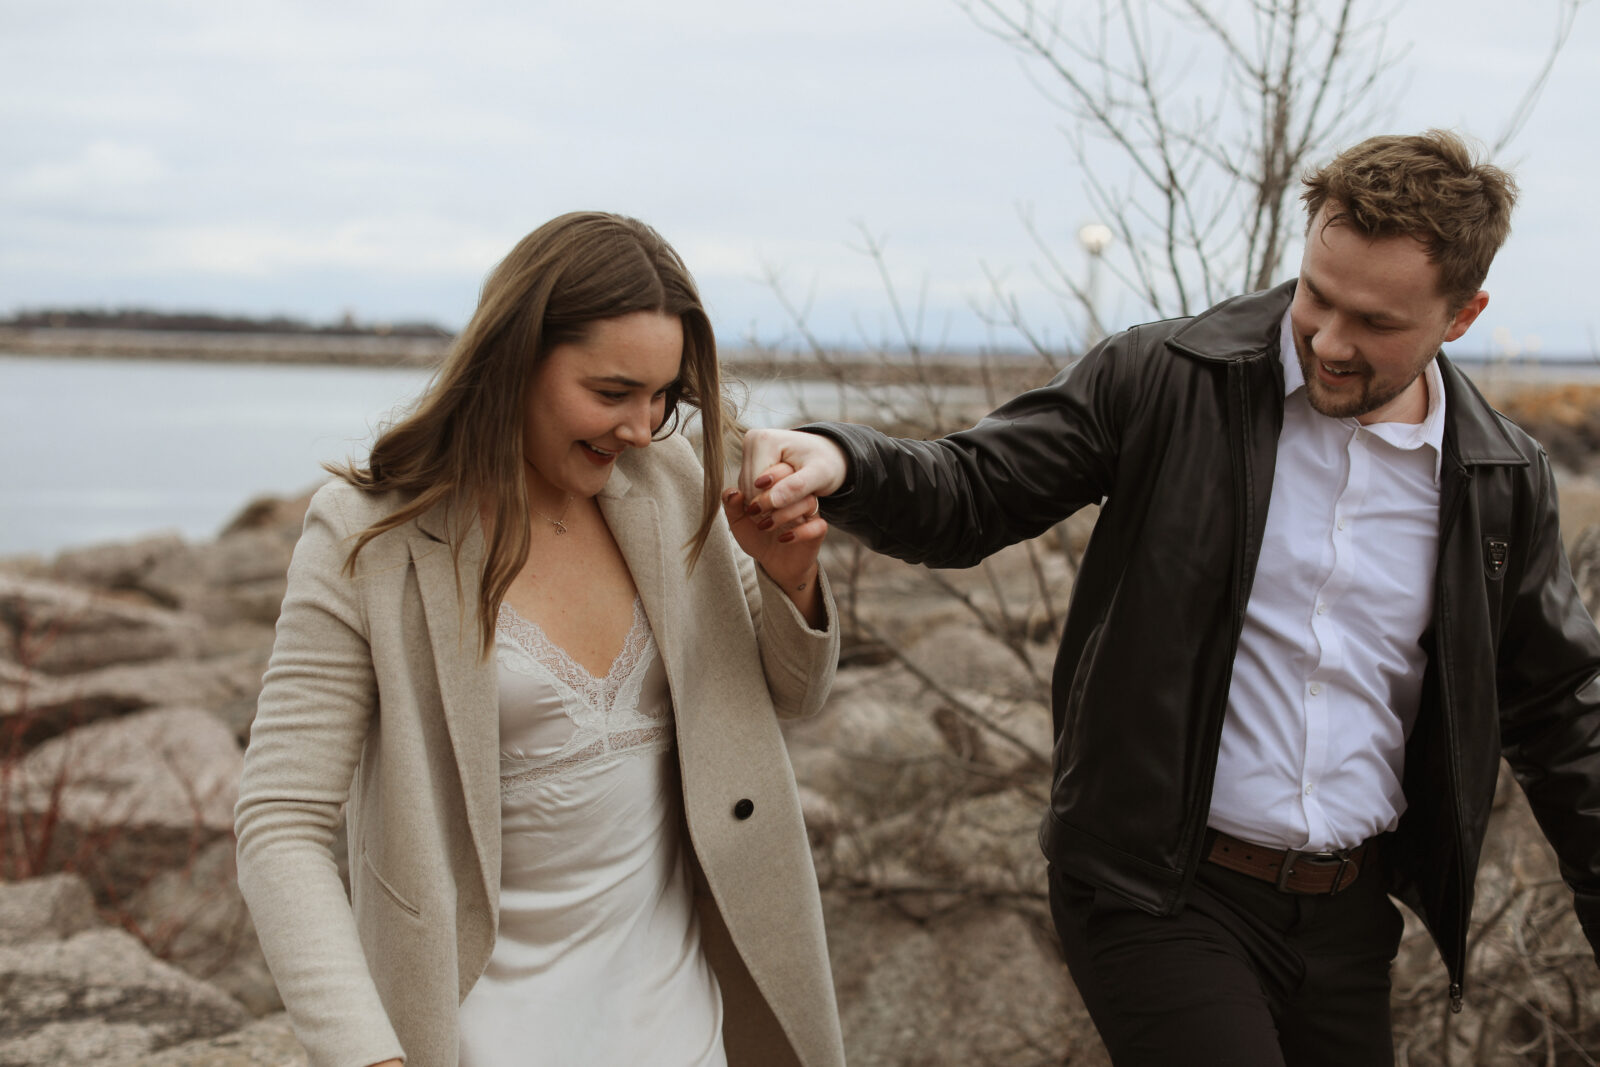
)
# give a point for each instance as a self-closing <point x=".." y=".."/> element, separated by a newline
<point x="784" y="467"/>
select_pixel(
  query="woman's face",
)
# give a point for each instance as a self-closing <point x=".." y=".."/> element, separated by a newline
<point x="593" y="398"/>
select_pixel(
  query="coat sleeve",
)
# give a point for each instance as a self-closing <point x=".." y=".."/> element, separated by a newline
<point x="1024" y="467"/>
<point x="317" y="701"/>
<point x="1549" y="682"/>
<point x="798" y="662"/>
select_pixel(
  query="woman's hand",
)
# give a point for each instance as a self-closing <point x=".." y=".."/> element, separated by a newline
<point x="785" y="544"/>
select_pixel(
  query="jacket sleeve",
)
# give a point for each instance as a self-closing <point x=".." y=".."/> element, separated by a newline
<point x="1549" y="682"/>
<point x="798" y="662"/>
<point x="317" y="700"/>
<point x="1024" y="467"/>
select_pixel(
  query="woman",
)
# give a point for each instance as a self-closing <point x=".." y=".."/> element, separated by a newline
<point x="523" y="644"/>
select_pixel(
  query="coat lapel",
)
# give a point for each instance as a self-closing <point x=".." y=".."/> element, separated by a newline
<point x="636" y="525"/>
<point x="467" y="686"/>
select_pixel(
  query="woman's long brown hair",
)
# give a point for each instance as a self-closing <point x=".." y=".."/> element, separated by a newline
<point x="461" y="445"/>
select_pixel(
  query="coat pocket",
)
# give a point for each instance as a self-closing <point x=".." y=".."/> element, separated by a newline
<point x="384" y="884"/>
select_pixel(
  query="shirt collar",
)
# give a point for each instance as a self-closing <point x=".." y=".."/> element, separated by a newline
<point x="1429" y="432"/>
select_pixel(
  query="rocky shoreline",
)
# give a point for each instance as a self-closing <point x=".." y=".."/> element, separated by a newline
<point x="128" y="679"/>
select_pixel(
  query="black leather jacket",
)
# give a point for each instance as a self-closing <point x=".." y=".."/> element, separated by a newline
<point x="1175" y="425"/>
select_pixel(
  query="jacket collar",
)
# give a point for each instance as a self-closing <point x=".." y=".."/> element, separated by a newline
<point x="1241" y="328"/>
<point x="1474" y="433"/>
<point x="1246" y="328"/>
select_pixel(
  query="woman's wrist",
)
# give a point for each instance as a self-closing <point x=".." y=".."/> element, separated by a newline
<point x="804" y="590"/>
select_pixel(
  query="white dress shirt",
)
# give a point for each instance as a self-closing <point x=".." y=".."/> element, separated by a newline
<point x="1329" y="670"/>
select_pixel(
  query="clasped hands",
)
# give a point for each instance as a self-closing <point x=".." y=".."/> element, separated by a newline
<point x="773" y="512"/>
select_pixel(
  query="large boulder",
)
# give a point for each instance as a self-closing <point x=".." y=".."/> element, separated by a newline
<point x="100" y="997"/>
<point x="874" y="748"/>
<point x="268" y="1042"/>
<point x="952" y="846"/>
<point x="195" y="919"/>
<point x="1584" y="555"/>
<point x="37" y="705"/>
<point x="119" y="565"/>
<point x="51" y="908"/>
<point x="62" y="629"/>
<point x="976" y="984"/>
<point x="240" y="576"/>
<point x="123" y="800"/>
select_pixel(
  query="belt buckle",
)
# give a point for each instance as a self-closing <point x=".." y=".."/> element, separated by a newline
<point x="1287" y="868"/>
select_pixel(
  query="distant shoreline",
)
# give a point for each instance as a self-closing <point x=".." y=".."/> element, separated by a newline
<point x="376" y="350"/>
<point x="1006" y="372"/>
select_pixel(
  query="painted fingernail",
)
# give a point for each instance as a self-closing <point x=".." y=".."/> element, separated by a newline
<point x="786" y="537"/>
<point x="752" y="508"/>
<point x="766" y="523"/>
<point x="763" y="481"/>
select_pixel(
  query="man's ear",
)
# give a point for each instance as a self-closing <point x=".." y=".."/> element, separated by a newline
<point x="1467" y="315"/>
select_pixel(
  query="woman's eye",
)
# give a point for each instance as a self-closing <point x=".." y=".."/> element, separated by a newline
<point x="612" y="395"/>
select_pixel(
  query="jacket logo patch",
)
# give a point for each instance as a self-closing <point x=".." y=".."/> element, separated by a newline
<point x="1496" y="551"/>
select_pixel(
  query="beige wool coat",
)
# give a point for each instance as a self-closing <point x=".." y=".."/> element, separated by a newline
<point x="375" y="693"/>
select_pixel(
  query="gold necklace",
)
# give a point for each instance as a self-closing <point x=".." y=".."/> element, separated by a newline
<point x="560" y="524"/>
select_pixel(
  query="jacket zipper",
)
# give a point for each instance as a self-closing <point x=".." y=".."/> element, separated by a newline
<point x="1200" y="806"/>
<point x="1458" y="966"/>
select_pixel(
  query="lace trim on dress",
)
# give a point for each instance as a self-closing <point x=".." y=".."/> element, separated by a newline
<point x="608" y="720"/>
<point x="599" y="693"/>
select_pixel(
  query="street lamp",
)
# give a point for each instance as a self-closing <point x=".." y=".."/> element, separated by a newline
<point x="1094" y="237"/>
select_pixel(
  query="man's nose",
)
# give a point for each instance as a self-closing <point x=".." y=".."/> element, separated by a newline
<point x="1331" y="342"/>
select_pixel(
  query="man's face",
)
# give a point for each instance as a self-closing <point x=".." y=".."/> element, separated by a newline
<point x="1367" y="318"/>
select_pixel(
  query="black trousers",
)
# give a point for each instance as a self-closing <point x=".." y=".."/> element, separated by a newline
<point x="1244" y="976"/>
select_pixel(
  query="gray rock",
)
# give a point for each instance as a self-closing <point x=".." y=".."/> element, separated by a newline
<point x="885" y="741"/>
<point x="196" y="920"/>
<point x="116" y="566"/>
<point x="64" y="629"/>
<point x="125" y="799"/>
<point x="1584" y="555"/>
<point x="35" y="706"/>
<point x="976" y="985"/>
<point x="100" y="997"/>
<point x="984" y="844"/>
<point x="268" y="1042"/>
<point x="874" y="749"/>
<point x="962" y="655"/>
<point x="52" y="704"/>
<point x="50" y="908"/>
<point x="241" y="576"/>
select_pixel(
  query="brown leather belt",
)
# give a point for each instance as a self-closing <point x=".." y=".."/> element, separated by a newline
<point x="1311" y="873"/>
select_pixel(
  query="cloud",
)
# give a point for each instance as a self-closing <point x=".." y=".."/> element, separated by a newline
<point x="400" y="246"/>
<point x="102" y="167"/>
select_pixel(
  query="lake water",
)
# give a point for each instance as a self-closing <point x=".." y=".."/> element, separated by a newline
<point x="103" y="450"/>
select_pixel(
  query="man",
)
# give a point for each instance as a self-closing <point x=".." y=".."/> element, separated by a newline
<point x="1325" y="593"/>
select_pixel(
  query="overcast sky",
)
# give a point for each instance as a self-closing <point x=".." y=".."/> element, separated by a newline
<point x="316" y="158"/>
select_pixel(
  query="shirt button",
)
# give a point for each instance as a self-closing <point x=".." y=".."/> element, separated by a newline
<point x="1308" y="789"/>
<point x="1342" y="522"/>
<point x="1322" y="609"/>
<point x="1316" y="689"/>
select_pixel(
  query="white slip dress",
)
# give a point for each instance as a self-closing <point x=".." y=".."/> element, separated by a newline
<point x="598" y="959"/>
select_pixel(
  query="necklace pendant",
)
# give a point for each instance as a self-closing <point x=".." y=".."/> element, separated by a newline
<point x="560" y="526"/>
